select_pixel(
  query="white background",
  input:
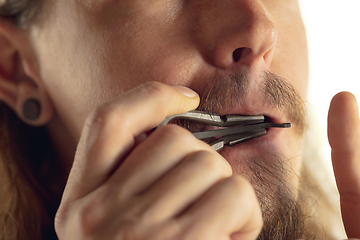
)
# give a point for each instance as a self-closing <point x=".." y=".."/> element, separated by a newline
<point x="333" y="31"/>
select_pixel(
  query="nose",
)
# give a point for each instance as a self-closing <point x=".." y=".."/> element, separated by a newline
<point x="235" y="32"/>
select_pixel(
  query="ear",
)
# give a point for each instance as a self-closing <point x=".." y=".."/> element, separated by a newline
<point x="20" y="78"/>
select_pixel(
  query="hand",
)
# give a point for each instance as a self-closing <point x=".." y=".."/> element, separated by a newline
<point x="344" y="139"/>
<point x="168" y="185"/>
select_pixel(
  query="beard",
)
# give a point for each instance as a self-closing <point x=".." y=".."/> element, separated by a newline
<point x="285" y="216"/>
<point x="284" y="213"/>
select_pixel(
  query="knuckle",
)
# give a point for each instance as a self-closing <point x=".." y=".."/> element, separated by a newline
<point x="211" y="162"/>
<point x="154" y="87"/>
<point x="155" y="90"/>
<point x="174" y="136"/>
<point x="83" y="217"/>
<point x="89" y="219"/>
<point x="134" y="231"/>
<point x="109" y="113"/>
<point x="92" y="219"/>
<point x="101" y="116"/>
<point x="130" y="230"/>
<point x="172" y="132"/>
<point x="139" y="223"/>
<point x="160" y="94"/>
<point x="60" y="220"/>
<point x="240" y="184"/>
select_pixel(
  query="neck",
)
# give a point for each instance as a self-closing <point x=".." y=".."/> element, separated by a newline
<point x="64" y="143"/>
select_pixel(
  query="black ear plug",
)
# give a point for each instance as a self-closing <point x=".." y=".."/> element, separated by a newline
<point x="31" y="109"/>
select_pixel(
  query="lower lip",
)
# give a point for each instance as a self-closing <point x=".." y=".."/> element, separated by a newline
<point x="255" y="147"/>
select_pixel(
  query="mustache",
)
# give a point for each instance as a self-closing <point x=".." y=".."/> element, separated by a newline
<point x="230" y="91"/>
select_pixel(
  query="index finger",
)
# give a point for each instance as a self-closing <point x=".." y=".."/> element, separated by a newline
<point x="344" y="139"/>
<point x="109" y="131"/>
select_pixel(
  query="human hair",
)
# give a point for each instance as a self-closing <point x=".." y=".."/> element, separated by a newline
<point x="28" y="196"/>
<point x="21" y="11"/>
<point x="28" y="171"/>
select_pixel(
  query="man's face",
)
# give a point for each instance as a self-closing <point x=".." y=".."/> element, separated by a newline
<point x="90" y="51"/>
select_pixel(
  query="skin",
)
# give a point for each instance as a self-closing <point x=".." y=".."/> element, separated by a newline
<point x="101" y="69"/>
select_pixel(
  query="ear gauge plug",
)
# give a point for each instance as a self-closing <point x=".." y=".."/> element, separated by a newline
<point x="31" y="109"/>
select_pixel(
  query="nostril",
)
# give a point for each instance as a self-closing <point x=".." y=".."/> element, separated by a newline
<point x="237" y="54"/>
<point x="241" y="53"/>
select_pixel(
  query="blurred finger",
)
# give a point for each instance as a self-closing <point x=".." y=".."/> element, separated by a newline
<point x="344" y="139"/>
<point x="229" y="208"/>
<point x="185" y="183"/>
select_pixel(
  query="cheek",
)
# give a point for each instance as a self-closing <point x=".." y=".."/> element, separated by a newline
<point x="291" y="54"/>
<point x="95" y="64"/>
<point x="156" y="53"/>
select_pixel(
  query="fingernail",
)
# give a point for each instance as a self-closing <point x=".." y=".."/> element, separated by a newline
<point x="186" y="91"/>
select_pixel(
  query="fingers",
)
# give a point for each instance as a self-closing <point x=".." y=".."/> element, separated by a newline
<point x="228" y="208"/>
<point x="110" y="131"/>
<point x="163" y="150"/>
<point x="185" y="183"/>
<point x="344" y="139"/>
<point x="187" y="172"/>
